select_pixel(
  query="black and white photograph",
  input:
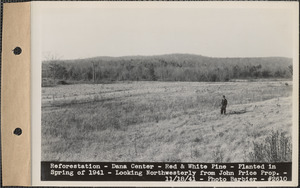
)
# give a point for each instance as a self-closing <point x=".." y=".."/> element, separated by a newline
<point x="163" y="83"/>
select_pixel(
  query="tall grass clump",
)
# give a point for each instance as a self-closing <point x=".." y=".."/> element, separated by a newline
<point x="218" y="155"/>
<point x="277" y="147"/>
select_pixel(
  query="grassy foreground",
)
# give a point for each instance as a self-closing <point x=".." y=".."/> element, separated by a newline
<point x="165" y="121"/>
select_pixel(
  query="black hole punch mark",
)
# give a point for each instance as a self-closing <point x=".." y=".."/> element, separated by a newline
<point x="18" y="131"/>
<point x="17" y="50"/>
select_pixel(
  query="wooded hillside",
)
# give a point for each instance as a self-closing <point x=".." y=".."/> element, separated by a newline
<point x="172" y="67"/>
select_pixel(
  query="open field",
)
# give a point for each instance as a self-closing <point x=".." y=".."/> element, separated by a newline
<point x="162" y="121"/>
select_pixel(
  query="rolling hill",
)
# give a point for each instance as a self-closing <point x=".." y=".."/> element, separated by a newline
<point x="169" y="67"/>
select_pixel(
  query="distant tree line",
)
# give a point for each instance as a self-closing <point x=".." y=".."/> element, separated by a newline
<point x="173" y="67"/>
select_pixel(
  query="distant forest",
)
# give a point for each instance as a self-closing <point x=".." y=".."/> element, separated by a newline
<point x="173" y="67"/>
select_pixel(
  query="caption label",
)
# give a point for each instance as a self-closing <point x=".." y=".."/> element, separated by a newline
<point x="210" y="172"/>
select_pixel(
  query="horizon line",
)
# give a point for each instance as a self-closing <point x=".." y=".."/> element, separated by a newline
<point x="123" y="56"/>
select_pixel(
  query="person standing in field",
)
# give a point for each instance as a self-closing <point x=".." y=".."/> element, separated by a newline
<point x="224" y="104"/>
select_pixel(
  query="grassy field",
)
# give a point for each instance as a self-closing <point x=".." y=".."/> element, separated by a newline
<point x="167" y="121"/>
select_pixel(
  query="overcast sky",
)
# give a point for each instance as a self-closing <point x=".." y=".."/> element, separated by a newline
<point x="87" y="31"/>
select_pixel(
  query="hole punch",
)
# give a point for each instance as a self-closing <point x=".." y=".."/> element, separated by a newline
<point x="18" y="131"/>
<point x="17" y="50"/>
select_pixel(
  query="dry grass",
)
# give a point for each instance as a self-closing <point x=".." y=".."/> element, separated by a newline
<point x="159" y="121"/>
<point x="276" y="148"/>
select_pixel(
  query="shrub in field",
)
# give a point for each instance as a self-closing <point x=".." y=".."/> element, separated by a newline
<point x="62" y="82"/>
<point x="277" y="147"/>
<point x="47" y="83"/>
